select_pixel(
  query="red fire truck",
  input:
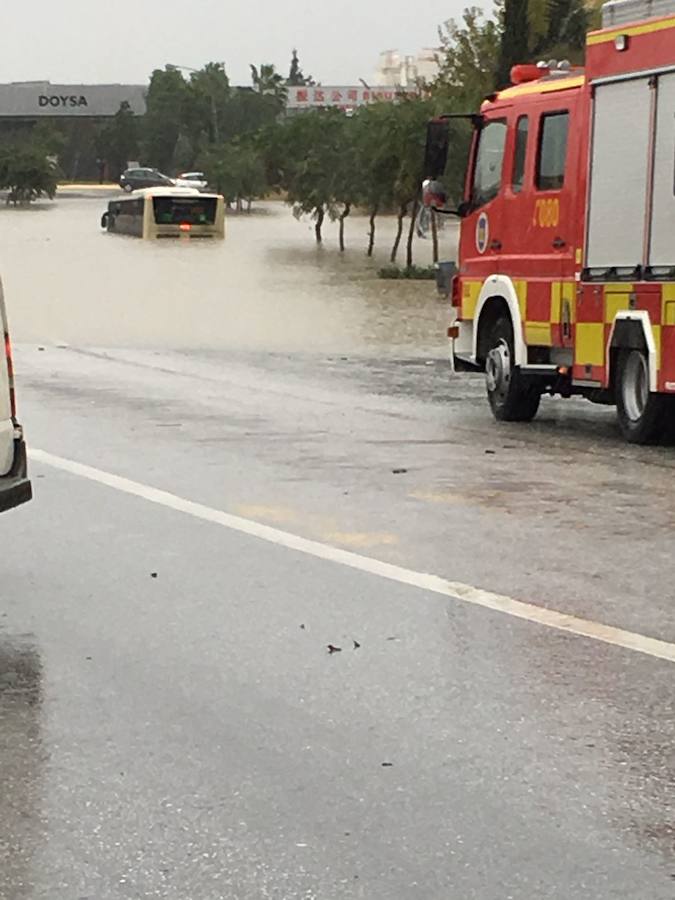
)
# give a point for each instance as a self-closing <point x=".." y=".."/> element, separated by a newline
<point x="566" y="272"/>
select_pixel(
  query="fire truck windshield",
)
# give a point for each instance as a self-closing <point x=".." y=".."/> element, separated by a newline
<point x="487" y="174"/>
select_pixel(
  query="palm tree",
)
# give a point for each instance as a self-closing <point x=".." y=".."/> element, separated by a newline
<point x="266" y="80"/>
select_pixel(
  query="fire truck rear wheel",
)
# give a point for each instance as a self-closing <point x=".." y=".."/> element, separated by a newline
<point x="641" y="413"/>
<point x="511" y="398"/>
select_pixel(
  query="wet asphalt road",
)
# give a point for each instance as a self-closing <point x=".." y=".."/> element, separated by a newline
<point x="189" y="735"/>
<point x="171" y="721"/>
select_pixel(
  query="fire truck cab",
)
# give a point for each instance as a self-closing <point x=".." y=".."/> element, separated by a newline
<point x="566" y="271"/>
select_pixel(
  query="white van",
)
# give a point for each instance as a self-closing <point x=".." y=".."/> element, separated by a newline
<point x="15" y="488"/>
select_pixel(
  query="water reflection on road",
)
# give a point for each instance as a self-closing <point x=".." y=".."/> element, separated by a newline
<point x="22" y="759"/>
<point x="266" y="287"/>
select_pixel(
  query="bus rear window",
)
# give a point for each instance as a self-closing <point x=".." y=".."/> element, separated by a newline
<point x="184" y="210"/>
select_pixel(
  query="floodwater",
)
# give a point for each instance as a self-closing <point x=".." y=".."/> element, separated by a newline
<point x="266" y="287"/>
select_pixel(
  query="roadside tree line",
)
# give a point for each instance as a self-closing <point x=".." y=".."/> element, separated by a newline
<point x="324" y="162"/>
<point x="327" y="163"/>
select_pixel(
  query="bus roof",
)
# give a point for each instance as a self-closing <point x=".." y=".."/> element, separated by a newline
<point x="168" y="192"/>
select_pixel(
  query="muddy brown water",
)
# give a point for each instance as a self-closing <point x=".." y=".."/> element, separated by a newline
<point x="267" y="286"/>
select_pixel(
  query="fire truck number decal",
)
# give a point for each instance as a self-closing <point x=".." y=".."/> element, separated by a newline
<point x="482" y="233"/>
<point x="546" y="213"/>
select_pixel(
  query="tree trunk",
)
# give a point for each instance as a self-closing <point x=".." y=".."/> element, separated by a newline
<point x="371" y="238"/>
<point x="319" y="224"/>
<point x="249" y="203"/>
<point x="411" y="234"/>
<point x="343" y="216"/>
<point x="434" y="235"/>
<point x="399" y="231"/>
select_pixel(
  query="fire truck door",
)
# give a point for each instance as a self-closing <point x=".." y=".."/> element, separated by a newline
<point x="538" y="240"/>
<point x="554" y="232"/>
<point x="481" y="240"/>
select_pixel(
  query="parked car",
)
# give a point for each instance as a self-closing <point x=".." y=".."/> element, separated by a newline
<point x="133" y="179"/>
<point x="192" y="179"/>
<point x="15" y="488"/>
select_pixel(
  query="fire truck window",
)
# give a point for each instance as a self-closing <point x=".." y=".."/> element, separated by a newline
<point x="520" y="154"/>
<point x="487" y="176"/>
<point x="552" y="151"/>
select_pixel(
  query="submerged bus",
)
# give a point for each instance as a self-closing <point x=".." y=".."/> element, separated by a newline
<point x="166" y="212"/>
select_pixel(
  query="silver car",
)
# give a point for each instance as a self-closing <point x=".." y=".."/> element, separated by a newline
<point x="192" y="179"/>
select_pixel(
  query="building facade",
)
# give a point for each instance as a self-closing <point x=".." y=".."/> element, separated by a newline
<point x="42" y="99"/>
<point x="395" y="68"/>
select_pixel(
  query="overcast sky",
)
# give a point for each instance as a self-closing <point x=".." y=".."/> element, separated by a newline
<point x="90" y="41"/>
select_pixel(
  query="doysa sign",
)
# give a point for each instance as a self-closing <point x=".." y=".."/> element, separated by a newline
<point x="33" y="99"/>
<point x="343" y="97"/>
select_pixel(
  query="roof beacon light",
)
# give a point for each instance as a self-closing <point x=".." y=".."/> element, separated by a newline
<point x="524" y="73"/>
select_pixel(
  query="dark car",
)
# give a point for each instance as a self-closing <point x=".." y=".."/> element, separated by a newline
<point x="133" y="179"/>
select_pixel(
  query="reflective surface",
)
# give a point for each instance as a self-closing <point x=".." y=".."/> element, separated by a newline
<point x="266" y="286"/>
<point x="171" y="722"/>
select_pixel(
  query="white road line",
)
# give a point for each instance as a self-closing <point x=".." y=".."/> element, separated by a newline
<point x="465" y="593"/>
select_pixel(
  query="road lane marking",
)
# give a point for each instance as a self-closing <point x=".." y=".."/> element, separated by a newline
<point x="549" y="618"/>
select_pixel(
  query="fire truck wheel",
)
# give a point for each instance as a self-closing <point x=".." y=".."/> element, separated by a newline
<point x="511" y="398"/>
<point x="641" y="413"/>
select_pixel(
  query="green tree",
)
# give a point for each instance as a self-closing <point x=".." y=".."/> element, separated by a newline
<point x="27" y="171"/>
<point x="567" y="22"/>
<point x="515" y="40"/>
<point x="467" y="61"/>
<point x="49" y="137"/>
<point x="220" y="163"/>
<point x="377" y="162"/>
<point x="266" y="80"/>
<point x="248" y="111"/>
<point x="296" y="78"/>
<point x="119" y="140"/>
<point x="302" y="155"/>
<point x="237" y="170"/>
<point x="409" y="119"/>
<point x="206" y="106"/>
<point x="252" y="179"/>
<point x="164" y="118"/>
<point x="347" y="187"/>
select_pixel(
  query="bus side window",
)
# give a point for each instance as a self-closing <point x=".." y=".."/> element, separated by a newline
<point x="552" y="154"/>
<point x="487" y="175"/>
<point x="520" y="154"/>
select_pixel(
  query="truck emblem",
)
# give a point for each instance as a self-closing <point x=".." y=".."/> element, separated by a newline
<point x="482" y="232"/>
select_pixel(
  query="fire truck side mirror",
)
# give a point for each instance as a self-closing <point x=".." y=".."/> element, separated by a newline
<point x="436" y="151"/>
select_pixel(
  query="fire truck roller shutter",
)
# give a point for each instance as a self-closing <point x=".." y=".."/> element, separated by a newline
<point x="621" y="125"/>
<point x="499" y="290"/>
<point x="662" y="246"/>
